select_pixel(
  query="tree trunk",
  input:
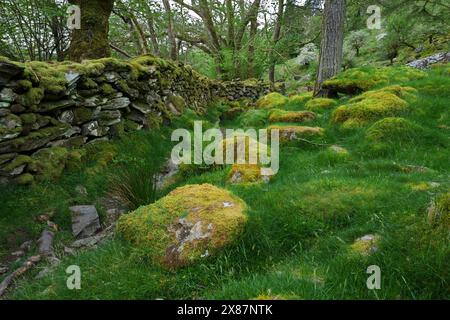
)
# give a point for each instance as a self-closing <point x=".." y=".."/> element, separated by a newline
<point x="275" y="39"/>
<point x="91" y="41"/>
<point x="170" y="32"/>
<point x="331" y="49"/>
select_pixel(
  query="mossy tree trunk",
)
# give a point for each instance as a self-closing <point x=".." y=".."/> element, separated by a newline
<point x="91" y="41"/>
<point x="331" y="48"/>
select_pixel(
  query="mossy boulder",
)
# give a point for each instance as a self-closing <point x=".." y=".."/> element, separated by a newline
<point x="291" y="133"/>
<point x="394" y="130"/>
<point x="320" y="104"/>
<point x="24" y="179"/>
<point x="366" y="245"/>
<point x="355" y="81"/>
<point x="272" y="100"/>
<point x="370" y="106"/>
<point x="188" y="225"/>
<point x="246" y="173"/>
<point x="278" y="115"/>
<point x="438" y="212"/>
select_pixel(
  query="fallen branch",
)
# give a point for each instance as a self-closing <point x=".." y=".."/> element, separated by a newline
<point x="126" y="54"/>
<point x="27" y="265"/>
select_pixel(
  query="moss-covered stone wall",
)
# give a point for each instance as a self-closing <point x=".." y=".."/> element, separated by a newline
<point x="59" y="107"/>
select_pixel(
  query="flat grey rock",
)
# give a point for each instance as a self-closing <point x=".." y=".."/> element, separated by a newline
<point x="85" y="221"/>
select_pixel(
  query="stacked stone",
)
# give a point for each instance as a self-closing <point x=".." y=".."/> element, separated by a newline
<point x="251" y="89"/>
<point x="93" y="101"/>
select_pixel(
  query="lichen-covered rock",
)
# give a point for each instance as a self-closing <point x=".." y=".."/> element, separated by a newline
<point x="277" y="115"/>
<point x="189" y="224"/>
<point x="246" y="173"/>
<point x="290" y="133"/>
<point x="366" y="245"/>
<point x="272" y="100"/>
<point x="391" y="130"/>
<point x="438" y="212"/>
<point x="320" y="104"/>
<point x="10" y="127"/>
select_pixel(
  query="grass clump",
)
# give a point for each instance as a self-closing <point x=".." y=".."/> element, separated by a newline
<point x="253" y="119"/>
<point x="272" y="100"/>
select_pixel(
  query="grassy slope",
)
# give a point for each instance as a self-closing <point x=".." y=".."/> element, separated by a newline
<point x="301" y="225"/>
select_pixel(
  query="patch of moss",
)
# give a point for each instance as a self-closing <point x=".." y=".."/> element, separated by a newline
<point x="107" y="89"/>
<point x="32" y="97"/>
<point x="394" y="130"/>
<point x="365" y="245"/>
<point x="252" y="149"/>
<point x="17" y="162"/>
<point x="189" y="224"/>
<point x="277" y="115"/>
<point x="319" y="104"/>
<point x="439" y="211"/>
<point x="272" y="100"/>
<point x="301" y="98"/>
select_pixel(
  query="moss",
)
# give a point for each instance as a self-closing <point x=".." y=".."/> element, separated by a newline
<point x="107" y="89"/>
<point x="28" y="118"/>
<point x="253" y="118"/>
<point x="188" y="224"/>
<point x="32" y="97"/>
<point x="253" y="147"/>
<point x="17" y="162"/>
<point x="87" y="84"/>
<point x="24" y="179"/>
<point x="301" y="98"/>
<point x="100" y="154"/>
<point x="277" y="115"/>
<point x="439" y="211"/>
<point x="82" y="115"/>
<point x="370" y="106"/>
<point x="177" y="101"/>
<point x="24" y="85"/>
<point x="319" y="104"/>
<point x="49" y="163"/>
<point x="272" y="100"/>
<point x="289" y="133"/>
<point x="75" y="159"/>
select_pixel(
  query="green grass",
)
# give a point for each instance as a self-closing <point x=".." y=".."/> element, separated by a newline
<point x="296" y="244"/>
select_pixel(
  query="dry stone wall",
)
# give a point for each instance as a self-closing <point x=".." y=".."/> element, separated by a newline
<point x="49" y="109"/>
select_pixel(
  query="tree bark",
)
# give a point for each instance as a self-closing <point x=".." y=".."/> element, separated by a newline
<point x="331" y="49"/>
<point x="91" y="41"/>
<point x="170" y="31"/>
<point x="275" y="39"/>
